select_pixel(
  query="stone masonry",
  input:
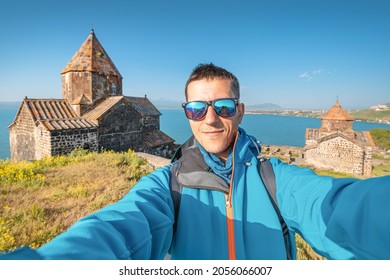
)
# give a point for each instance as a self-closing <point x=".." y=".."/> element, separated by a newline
<point x="93" y="113"/>
<point x="335" y="145"/>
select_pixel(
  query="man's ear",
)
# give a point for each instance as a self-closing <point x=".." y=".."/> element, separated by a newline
<point x="240" y="111"/>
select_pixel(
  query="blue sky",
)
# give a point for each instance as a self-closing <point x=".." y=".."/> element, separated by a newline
<point x="296" y="54"/>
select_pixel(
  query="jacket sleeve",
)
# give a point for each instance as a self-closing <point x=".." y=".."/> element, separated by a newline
<point x="340" y="218"/>
<point x="139" y="226"/>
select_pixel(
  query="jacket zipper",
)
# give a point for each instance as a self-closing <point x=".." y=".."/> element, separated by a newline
<point x="229" y="212"/>
<point x="230" y="228"/>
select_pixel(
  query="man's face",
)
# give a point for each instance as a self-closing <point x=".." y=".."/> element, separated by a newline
<point x="213" y="132"/>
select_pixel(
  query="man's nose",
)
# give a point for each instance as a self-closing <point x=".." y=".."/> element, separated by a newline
<point x="211" y="116"/>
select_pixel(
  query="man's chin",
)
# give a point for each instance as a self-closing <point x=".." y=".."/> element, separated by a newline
<point x="218" y="151"/>
<point x="212" y="149"/>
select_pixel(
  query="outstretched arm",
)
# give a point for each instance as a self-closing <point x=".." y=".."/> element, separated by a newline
<point x="340" y="218"/>
<point x="139" y="226"/>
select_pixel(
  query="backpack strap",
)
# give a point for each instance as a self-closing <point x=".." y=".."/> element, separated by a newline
<point x="175" y="187"/>
<point x="176" y="190"/>
<point x="268" y="177"/>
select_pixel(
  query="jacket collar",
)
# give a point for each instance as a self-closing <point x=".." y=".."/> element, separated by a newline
<point x="246" y="147"/>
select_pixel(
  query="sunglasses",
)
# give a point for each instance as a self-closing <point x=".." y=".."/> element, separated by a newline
<point x="196" y="110"/>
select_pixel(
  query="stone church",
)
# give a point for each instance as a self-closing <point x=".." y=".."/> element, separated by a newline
<point x="335" y="145"/>
<point x="93" y="113"/>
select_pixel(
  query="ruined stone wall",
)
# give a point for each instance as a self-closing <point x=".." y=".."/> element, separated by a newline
<point x="120" y="130"/>
<point x="311" y="134"/>
<point x="367" y="161"/>
<point x="339" y="154"/>
<point x="166" y="151"/>
<point x="311" y="137"/>
<point x="22" y="138"/>
<point x="288" y="154"/>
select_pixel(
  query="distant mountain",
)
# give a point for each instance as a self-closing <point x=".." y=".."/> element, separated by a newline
<point x="164" y="103"/>
<point x="263" y="107"/>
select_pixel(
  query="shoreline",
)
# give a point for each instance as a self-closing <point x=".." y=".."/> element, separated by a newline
<point x="302" y="115"/>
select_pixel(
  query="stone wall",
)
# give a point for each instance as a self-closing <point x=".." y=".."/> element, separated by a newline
<point x="105" y="85"/>
<point x="289" y="154"/>
<point x="150" y="123"/>
<point x="340" y="155"/>
<point x="166" y="151"/>
<point x="120" y="129"/>
<point x="367" y="161"/>
<point x="43" y="143"/>
<point x="92" y="85"/>
<point x="332" y="125"/>
<point x="75" y="85"/>
<point x="22" y="140"/>
<point x="65" y="141"/>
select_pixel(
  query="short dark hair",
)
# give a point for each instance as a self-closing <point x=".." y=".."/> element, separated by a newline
<point x="210" y="71"/>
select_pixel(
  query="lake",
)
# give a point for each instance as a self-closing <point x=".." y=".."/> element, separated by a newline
<point x="268" y="129"/>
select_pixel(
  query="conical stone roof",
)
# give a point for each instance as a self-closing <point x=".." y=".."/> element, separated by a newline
<point x="337" y="113"/>
<point x="91" y="57"/>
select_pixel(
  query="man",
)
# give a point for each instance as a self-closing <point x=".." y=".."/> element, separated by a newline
<point x="225" y="211"/>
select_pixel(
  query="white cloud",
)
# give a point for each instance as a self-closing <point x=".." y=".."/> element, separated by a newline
<point x="319" y="71"/>
<point x="306" y="76"/>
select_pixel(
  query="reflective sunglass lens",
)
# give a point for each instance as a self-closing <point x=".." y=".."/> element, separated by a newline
<point x="195" y="110"/>
<point x="225" y="107"/>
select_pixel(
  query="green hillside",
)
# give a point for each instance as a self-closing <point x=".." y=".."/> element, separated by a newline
<point x="371" y="115"/>
<point x="381" y="138"/>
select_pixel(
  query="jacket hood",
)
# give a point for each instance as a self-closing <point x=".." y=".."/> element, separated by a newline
<point x="246" y="143"/>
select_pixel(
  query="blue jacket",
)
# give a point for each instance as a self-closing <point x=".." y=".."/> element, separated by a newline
<point x="339" y="218"/>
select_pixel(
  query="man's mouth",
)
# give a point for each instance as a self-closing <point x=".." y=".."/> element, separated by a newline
<point x="212" y="132"/>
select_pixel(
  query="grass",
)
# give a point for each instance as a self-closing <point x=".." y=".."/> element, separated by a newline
<point x="40" y="199"/>
<point x="335" y="174"/>
<point x="381" y="170"/>
<point x="381" y="138"/>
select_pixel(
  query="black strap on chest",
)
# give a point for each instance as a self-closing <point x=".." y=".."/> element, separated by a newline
<point x="195" y="161"/>
<point x="268" y="177"/>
